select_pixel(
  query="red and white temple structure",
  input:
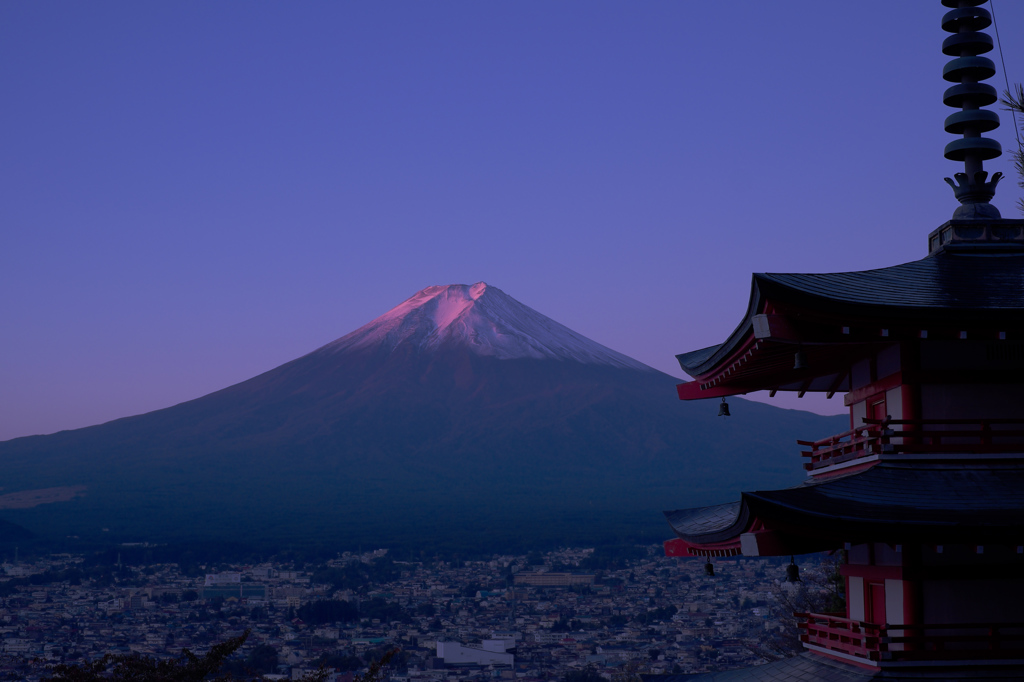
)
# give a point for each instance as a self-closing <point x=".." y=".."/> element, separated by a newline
<point x="923" y="496"/>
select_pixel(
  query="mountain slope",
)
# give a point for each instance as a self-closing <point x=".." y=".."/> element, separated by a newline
<point x="482" y="320"/>
<point x="461" y="416"/>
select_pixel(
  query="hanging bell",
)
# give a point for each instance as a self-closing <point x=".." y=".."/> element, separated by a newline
<point x="800" y="360"/>
<point x="792" y="572"/>
<point x="723" y="409"/>
<point x="709" y="569"/>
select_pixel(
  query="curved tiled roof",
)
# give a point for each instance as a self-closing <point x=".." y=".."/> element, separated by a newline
<point x="930" y="291"/>
<point x="709" y="524"/>
<point x="813" y="668"/>
<point x="947" y="280"/>
<point x="892" y="498"/>
<point x="914" y="493"/>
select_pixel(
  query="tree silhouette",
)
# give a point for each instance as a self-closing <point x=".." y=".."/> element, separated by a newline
<point x="138" y="668"/>
<point x="188" y="667"/>
<point x="1013" y="101"/>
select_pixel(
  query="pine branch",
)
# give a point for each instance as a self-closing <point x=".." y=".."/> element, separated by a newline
<point x="1013" y="101"/>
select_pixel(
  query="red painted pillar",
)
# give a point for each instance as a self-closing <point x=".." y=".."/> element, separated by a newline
<point x="910" y="388"/>
<point x="913" y="609"/>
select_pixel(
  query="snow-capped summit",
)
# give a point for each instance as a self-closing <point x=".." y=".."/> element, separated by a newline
<point x="483" y="319"/>
<point x="419" y="433"/>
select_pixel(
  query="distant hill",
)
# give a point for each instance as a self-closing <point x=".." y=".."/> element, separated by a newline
<point x="459" y="418"/>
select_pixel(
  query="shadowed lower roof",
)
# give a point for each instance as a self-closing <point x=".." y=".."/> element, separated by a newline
<point x="812" y="668"/>
<point x="888" y="501"/>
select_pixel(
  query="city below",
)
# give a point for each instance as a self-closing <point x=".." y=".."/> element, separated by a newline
<point x="572" y="612"/>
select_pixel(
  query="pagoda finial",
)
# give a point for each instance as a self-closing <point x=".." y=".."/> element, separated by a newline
<point x="965" y="22"/>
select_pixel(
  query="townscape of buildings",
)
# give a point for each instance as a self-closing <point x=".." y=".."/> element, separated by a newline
<point x="500" y="618"/>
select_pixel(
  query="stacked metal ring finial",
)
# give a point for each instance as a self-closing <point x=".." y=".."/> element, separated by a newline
<point x="965" y="21"/>
<point x="967" y="42"/>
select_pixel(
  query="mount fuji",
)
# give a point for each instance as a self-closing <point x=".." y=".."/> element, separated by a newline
<point x="483" y="320"/>
<point x="460" y="419"/>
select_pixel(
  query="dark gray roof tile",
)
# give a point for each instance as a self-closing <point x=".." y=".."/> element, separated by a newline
<point x="959" y="281"/>
<point x="933" y="290"/>
<point x="894" y="498"/>
<point x="814" y="668"/>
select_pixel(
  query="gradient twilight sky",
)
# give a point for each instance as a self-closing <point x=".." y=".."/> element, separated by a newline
<point x="196" y="192"/>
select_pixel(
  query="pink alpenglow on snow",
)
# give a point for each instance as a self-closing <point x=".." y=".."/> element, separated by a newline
<point x="483" y="319"/>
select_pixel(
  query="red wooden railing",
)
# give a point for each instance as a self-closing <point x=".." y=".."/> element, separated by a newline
<point x="832" y="631"/>
<point x="918" y="436"/>
<point x="842" y="447"/>
<point x="894" y="642"/>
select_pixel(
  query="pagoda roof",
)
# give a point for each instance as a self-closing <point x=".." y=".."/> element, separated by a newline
<point x="808" y="667"/>
<point x="946" y="281"/>
<point x="718" y="523"/>
<point x="889" y="502"/>
<point x="830" y="315"/>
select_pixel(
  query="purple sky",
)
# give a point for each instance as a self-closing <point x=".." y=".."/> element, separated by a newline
<point x="193" y="193"/>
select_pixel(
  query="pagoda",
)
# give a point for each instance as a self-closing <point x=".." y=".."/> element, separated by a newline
<point x="923" y="496"/>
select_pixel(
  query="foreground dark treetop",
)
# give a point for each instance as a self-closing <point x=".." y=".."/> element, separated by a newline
<point x="188" y="668"/>
<point x="139" y="668"/>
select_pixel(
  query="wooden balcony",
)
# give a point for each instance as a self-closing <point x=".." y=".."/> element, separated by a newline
<point x="834" y="632"/>
<point x="916" y="436"/>
<point x="857" y="443"/>
<point x="880" y="643"/>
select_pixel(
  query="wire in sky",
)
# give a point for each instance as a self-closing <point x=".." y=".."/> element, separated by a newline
<point x="1006" y="78"/>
